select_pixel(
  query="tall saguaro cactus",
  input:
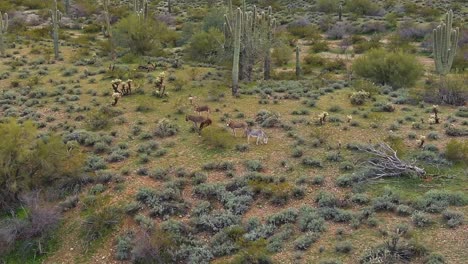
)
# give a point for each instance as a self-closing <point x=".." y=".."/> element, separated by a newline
<point x="3" y="31"/>
<point x="108" y="33"/>
<point x="298" y="62"/>
<point x="237" y="44"/>
<point x="255" y="38"/>
<point x="445" y="41"/>
<point x="66" y="4"/>
<point x="55" y="16"/>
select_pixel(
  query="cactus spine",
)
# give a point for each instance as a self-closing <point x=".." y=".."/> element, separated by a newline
<point x="3" y="31"/>
<point x="55" y="16"/>
<point x="445" y="41"/>
<point x="298" y="62"/>
<point x="237" y="44"/>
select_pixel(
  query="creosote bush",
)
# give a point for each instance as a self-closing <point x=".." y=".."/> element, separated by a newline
<point x="392" y="68"/>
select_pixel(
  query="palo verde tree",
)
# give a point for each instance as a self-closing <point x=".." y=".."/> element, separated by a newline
<point x="29" y="162"/>
<point x="445" y="41"/>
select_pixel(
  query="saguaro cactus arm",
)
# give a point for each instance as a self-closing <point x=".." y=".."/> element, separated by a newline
<point x="55" y="16"/>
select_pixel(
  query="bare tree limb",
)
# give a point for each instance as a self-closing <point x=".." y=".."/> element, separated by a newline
<point x="384" y="162"/>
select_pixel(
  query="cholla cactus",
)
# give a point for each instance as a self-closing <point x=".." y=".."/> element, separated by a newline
<point x="445" y="43"/>
<point x="160" y="85"/>
<point x="322" y="117"/>
<point x="116" y="96"/>
<point x="421" y="141"/>
<point x="350" y="118"/>
<point x="55" y="16"/>
<point x="435" y="110"/>
<point x="3" y="31"/>
<point x="115" y="85"/>
<point x="359" y="98"/>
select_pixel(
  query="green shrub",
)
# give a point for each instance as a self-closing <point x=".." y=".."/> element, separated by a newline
<point x="282" y="54"/>
<point x="393" y="68"/>
<point x="101" y="223"/>
<point x="457" y="150"/>
<point x="217" y="138"/>
<point x="204" y="45"/>
<point x="361" y="7"/>
<point x="165" y="128"/>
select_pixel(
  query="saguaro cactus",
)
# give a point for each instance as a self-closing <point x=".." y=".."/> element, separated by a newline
<point x="298" y="62"/>
<point x="445" y="41"/>
<point x="257" y="30"/>
<point x="3" y="31"/>
<point x="340" y="12"/>
<point x="66" y="4"/>
<point x="55" y="16"/>
<point x="108" y="32"/>
<point x="237" y="44"/>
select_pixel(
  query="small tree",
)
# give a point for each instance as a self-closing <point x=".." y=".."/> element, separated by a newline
<point x="28" y="162"/>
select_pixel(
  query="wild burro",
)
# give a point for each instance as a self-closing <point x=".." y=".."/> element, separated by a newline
<point x="233" y="125"/>
<point x="259" y="134"/>
<point x="199" y="122"/>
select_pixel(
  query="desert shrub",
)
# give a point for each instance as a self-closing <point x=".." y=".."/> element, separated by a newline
<point x="359" y="98"/>
<point x="449" y="90"/>
<point x="343" y="247"/>
<point x="242" y="147"/>
<point x="165" y="128"/>
<point x="360" y="198"/>
<point x="420" y="219"/>
<point x="386" y="202"/>
<point x="216" y="221"/>
<point x="253" y="165"/>
<point x="281" y="54"/>
<point x="99" y="224"/>
<point x="457" y="150"/>
<point x="404" y="209"/>
<point x="101" y="118"/>
<point x="393" y="68"/>
<point x="124" y="247"/>
<point x="281" y="218"/>
<point x="435" y="201"/>
<point x="326" y="199"/>
<point x="217" y="137"/>
<point x="153" y="247"/>
<point x="310" y="221"/>
<point x="393" y="251"/>
<point x="303" y="242"/>
<point x="328" y="6"/>
<point x="317" y="180"/>
<point x="162" y="202"/>
<point x="224" y="242"/>
<point x="435" y="258"/>
<point x="310" y="162"/>
<point x="452" y="218"/>
<point x="29" y="233"/>
<point x="302" y="28"/>
<point x="267" y="119"/>
<point x="361" y="7"/>
<point x="96" y="189"/>
<point x="276" y="242"/>
<point x="69" y="203"/>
